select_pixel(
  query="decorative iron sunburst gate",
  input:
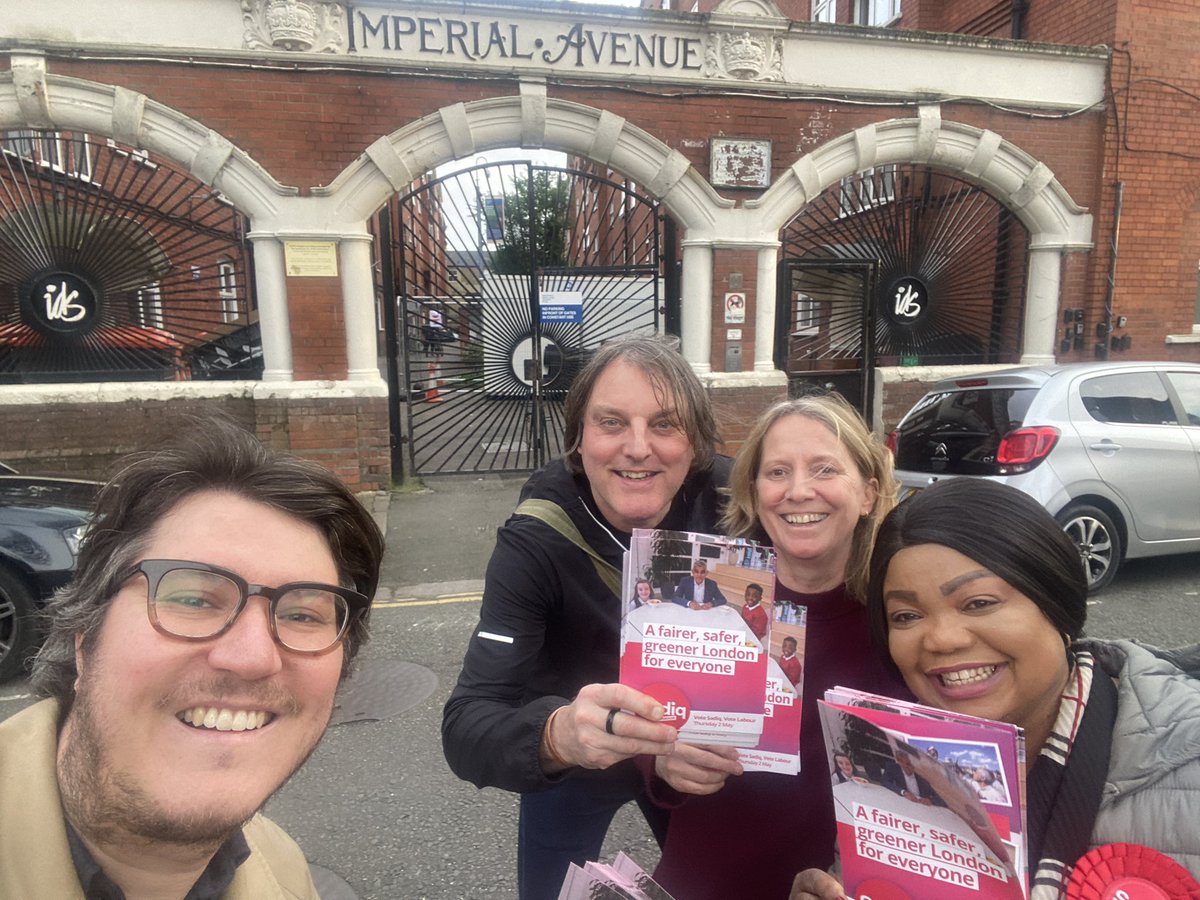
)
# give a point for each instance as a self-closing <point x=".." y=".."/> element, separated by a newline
<point x="828" y="343"/>
<point x="116" y="266"/>
<point x="949" y="279"/>
<point x="506" y="277"/>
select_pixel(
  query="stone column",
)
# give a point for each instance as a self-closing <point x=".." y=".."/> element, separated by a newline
<point x="764" y="310"/>
<point x="1041" y="305"/>
<point x="358" y="306"/>
<point x="696" y="302"/>
<point x="274" y="323"/>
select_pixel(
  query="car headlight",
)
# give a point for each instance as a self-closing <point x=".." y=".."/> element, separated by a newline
<point x="73" y="536"/>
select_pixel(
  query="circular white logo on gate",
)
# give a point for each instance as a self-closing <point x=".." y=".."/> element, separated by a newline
<point x="59" y="302"/>
<point x="553" y="361"/>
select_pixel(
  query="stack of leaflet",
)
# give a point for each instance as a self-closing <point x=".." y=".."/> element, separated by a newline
<point x="623" y="880"/>
<point x="927" y="801"/>
<point x="699" y="643"/>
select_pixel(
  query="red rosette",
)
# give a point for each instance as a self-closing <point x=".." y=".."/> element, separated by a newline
<point x="1130" y="872"/>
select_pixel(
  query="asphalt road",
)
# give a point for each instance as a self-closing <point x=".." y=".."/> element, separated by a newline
<point x="376" y="803"/>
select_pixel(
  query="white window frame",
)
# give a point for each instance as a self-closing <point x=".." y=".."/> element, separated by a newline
<point x="150" y="310"/>
<point x="808" y="315"/>
<point x="20" y="142"/>
<point x="227" y="289"/>
<point x="824" y="11"/>
<point x="52" y="149"/>
<point x="868" y="189"/>
<point x="81" y="156"/>
<point x="877" y="13"/>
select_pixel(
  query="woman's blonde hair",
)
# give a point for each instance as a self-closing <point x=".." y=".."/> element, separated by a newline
<point x="870" y="457"/>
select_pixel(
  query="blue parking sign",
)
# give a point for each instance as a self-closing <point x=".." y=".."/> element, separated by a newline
<point x="560" y="306"/>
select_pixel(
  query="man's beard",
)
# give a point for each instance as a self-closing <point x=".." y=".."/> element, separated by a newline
<point x="108" y="805"/>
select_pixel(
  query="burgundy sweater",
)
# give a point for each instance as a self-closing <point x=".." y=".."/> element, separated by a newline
<point x="750" y="838"/>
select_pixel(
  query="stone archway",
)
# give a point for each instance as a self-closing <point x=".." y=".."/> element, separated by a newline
<point x="31" y="98"/>
<point x="1056" y="224"/>
<point x="531" y="119"/>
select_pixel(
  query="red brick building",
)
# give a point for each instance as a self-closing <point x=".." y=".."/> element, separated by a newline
<point x="857" y="206"/>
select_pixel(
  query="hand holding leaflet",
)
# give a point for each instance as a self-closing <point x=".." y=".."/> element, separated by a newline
<point x="915" y="822"/>
<point x="577" y="734"/>
<point x="703" y="661"/>
<point x="698" y="768"/>
<point x="815" y="884"/>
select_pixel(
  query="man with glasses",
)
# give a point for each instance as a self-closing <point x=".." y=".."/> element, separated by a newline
<point x="220" y="596"/>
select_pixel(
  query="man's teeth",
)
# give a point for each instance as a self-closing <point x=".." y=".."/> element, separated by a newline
<point x="806" y="519"/>
<point x="224" y="719"/>
<point x="967" y="676"/>
<point x="636" y="476"/>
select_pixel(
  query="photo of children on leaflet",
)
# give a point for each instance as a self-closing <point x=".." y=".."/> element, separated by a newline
<point x="700" y="579"/>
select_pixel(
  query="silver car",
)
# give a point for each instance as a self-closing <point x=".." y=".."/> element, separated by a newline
<point x="1112" y="450"/>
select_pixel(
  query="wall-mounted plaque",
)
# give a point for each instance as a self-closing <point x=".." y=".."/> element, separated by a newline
<point x="310" y="259"/>
<point x="738" y="163"/>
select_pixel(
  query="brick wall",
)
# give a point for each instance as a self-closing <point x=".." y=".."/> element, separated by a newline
<point x="738" y="408"/>
<point x="318" y="328"/>
<point x="732" y="268"/>
<point x="82" y="439"/>
<point x="1150" y="141"/>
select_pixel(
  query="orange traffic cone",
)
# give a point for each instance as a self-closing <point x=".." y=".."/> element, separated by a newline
<point x="432" y="385"/>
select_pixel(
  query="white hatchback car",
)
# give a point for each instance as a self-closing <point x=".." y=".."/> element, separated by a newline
<point x="1112" y="450"/>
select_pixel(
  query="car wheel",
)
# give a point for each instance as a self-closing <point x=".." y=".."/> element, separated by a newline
<point x="1099" y="543"/>
<point x="18" y="634"/>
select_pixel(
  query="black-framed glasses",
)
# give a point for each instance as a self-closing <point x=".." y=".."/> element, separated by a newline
<point x="197" y="602"/>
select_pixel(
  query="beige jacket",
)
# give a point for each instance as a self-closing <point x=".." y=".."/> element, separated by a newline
<point x="35" y="860"/>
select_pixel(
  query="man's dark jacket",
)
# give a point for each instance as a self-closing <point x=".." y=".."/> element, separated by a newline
<point x="564" y="623"/>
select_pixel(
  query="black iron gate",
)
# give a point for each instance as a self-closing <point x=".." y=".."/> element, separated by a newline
<point x="829" y="339"/>
<point x="506" y="276"/>
<point x="898" y="265"/>
<point x="115" y="265"/>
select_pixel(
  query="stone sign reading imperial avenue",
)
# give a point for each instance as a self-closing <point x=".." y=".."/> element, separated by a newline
<point x="482" y="39"/>
<point x="741" y="41"/>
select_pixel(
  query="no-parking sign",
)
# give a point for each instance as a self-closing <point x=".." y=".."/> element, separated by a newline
<point x="560" y="306"/>
<point x="735" y="308"/>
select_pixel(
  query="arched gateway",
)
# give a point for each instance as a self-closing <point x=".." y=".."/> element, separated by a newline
<point x="734" y="143"/>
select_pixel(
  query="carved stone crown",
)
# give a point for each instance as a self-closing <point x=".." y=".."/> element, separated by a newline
<point x="744" y="56"/>
<point x="291" y="23"/>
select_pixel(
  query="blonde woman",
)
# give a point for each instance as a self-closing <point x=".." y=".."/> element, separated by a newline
<point x="813" y="481"/>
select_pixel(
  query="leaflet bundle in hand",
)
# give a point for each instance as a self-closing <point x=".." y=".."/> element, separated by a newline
<point x="696" y="631"/>
<point x="928" y="802"/>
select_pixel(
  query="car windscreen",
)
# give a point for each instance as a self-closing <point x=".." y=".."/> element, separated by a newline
<point x="958" y="432"/>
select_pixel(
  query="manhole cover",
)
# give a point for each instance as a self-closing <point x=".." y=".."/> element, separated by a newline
<point x="381" y="688"/>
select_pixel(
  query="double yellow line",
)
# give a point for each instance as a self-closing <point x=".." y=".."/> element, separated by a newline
<point x="436" y="601"/>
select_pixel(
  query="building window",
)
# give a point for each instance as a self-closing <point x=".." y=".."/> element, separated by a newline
<point x="227" y="289"/>
<point x="19" y="143"/>
<point x="61" y="152"/>
<point x="149" y="301"/>
<point x="81" y="157"/>
<point x="51" y="150"/>
<point x="866" y="190"/>
<point x="824" y="11"/>
<point x="806" y="314"/>
<point x="877" y="12"/>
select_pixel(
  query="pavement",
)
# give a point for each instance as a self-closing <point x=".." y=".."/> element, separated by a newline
<point x="440" y="534"/>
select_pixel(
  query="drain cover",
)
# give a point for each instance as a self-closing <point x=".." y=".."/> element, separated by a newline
<point x="381" y="688"/>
